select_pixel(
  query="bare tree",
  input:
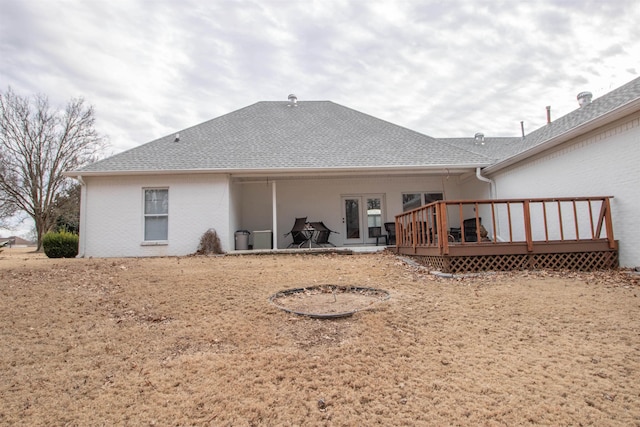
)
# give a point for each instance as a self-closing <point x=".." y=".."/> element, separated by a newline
<point x="37" y="144"/>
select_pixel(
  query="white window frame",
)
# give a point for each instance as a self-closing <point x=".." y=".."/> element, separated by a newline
<point x="146" y="215"/>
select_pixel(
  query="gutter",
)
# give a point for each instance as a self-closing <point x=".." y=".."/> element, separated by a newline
<point x="399" y="169"/>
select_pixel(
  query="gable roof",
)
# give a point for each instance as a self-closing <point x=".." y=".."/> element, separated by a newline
<point x="274" y="135"/>
<point x="597" y="108"/>
<point x="601" y="111"/>
<point x="271" y="136"/>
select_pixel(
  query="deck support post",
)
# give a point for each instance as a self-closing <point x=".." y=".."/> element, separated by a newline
<point x="609" y="223"/>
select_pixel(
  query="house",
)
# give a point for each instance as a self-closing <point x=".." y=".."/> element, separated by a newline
<point x="263" y="166"/>
<point x="14" y="242"/>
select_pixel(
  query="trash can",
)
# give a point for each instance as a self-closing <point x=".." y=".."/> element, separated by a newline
<point x="262" y="239"/>
<point x="242" y="240"/>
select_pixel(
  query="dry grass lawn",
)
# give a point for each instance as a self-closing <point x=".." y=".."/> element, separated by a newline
<point x="195" y="341"/>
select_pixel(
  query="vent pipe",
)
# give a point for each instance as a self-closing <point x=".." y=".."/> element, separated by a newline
<point x="522" y="127"/>
<point x="584" y="98"/>
<point x="548" y="114"/>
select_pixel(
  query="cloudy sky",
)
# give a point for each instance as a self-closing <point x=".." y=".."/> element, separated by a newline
<point x="443" y="68"/>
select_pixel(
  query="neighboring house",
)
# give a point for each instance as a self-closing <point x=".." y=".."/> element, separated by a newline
<point x="14" y="242"/>
<point x="263" y="166"/>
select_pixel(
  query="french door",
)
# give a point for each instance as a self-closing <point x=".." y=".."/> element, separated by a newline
<point x="362" y="218"/>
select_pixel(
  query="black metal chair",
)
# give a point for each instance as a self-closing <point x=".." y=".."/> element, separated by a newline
<point x="390" y="227"/>
<point x="376" y="232"/>
<point x="321" y="233"/>
<point x="471" y="229"/>
<point x="299" y="233"/>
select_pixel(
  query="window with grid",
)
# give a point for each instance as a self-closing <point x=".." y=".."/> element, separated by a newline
<point x="156" y="214"/>
<point x="415" y="200"/>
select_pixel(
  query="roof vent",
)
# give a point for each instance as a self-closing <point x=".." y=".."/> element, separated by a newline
<point x="177" y="139"/>
<point x="293" y="100"/>
<point x="584" y="98"/>
<point x="479" y="138"/>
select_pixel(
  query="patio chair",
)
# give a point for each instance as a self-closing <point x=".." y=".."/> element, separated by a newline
<point x="321" y="233"/>
<point x="391" y="232"/>
<point x="299" y="233"/>
<point x="376" y="233"/>
<point x="470" y="229"/>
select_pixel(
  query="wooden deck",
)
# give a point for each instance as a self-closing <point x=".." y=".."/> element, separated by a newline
<point x="510" y="234"/>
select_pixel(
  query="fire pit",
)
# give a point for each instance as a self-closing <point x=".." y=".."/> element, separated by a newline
<point x="328" y="301"/>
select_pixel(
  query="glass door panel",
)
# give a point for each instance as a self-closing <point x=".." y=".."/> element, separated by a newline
<point x="351" y="219"/>
<point x="362" y="218"/>
<point x="374" y="218"/>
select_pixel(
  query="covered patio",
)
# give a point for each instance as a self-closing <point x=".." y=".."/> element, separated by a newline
<point x="573" y="233"/>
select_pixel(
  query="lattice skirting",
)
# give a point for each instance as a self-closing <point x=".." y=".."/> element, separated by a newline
<point x="580" y="261"/>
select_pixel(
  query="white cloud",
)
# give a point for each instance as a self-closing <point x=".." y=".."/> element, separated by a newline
<point x="450" y="68"/>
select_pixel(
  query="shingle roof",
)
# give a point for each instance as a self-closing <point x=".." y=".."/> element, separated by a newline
<point x="600" y="106"/>
<point x="273" y="134"/>
<point x="498" y="149"/>
<point x="493" y="149"/>
<point x="322" y="134"/>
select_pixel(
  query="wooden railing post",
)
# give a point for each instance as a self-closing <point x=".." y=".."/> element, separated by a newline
<point x="476" y="210"/>
<point x="414" y="230"/>
<point x="546" y="225"/>
<point x="609" y="224"/>
<point x="527" y="225"/>
<point x="575" y="219"/>
<point x="593" y="236"/>
<point x="509" y="222"/>
<point x="443" y="227"/>
<point x="493" y="222"/>
<point x="560" y="220"/>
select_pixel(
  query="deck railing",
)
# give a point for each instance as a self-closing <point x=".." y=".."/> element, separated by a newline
<point x="448" y="225"/>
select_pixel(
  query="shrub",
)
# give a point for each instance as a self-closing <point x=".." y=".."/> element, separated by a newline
<point x="209" y="243"/>
<point x="61" y="244"/>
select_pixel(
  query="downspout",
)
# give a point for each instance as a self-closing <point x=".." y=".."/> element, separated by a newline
<point x="492" y="184"/>
<point x="492" y="195"/>
<point x="83" y="217"/>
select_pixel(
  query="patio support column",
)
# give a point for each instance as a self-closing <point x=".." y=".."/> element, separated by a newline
<point x="274" y="215"/>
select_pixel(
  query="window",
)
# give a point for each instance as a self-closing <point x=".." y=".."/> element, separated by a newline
<point x="415" y="200"/>
<point x="156" y="214"/>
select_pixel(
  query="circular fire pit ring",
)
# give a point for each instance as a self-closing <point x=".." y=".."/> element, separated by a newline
<point x="328" y="301"/>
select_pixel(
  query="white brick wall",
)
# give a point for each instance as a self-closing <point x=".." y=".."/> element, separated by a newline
<point x="605" y="162"/>
<point x="112" y="223"/>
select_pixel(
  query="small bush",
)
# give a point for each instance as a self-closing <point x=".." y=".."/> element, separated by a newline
<point x="210" y="243"/>
<point x="61" y="244"/>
